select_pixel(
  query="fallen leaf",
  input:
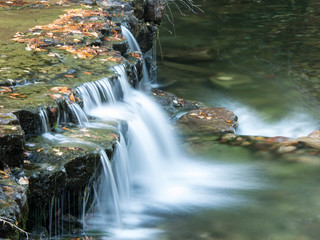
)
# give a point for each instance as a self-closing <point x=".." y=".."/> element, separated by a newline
<point x="71" y="97"/>
<point x="69" y="76"/>
<point x="87" y="72"/>
<point x="40" y="150"/>
<point x="64" y="128"/>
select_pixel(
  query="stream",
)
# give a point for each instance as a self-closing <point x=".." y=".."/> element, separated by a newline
<point x="257" y="58"/>
<point x="234" y="55"/>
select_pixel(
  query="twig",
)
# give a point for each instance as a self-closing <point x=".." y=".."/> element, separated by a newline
<point x="8" y="221"/>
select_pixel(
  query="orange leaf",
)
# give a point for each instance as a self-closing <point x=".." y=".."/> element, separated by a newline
<point x="71" y="97"/>
<point x="40" y="150"/>
<point x="69" y="76"/>
<point x="64" y="128"/>
<point x="87" y="72"/>
<point x="14" y="94"/>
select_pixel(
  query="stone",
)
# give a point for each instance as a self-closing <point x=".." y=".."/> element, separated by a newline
<point x="13" y="206"/>
<point x="172" y="104"/>
<point x="209" y="121"/>
<point x="11" y="145"/>
<point x="310" y="141"/>
<point x="286" y="149"/>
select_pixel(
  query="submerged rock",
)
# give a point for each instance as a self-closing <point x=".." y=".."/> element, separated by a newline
<point x="209" y="121"/>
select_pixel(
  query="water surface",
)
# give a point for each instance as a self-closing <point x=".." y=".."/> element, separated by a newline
<point x="259" y="58"/>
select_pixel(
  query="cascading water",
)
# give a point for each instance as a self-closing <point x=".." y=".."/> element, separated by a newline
<point x="44" y="120"/>
<point x="151" y="173"/>
<point x="134" y="46"/>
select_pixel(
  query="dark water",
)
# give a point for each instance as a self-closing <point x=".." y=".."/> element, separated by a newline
<point x="260" y="59"/>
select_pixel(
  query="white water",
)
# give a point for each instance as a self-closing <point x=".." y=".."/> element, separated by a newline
<point x="299" y="123"/>
<point x="149" y="176"/>
<point x="134" y="46"/>
<point x="44" y="120"/>
<point x="151" y="172"/>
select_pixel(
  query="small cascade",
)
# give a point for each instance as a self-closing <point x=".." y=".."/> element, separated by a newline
<point x="78" y="114"/>
<point x="71" y="112"/>
<point x="44" y="120"/>
<point x="148" y="172"/>
<point x="95" y="93"/>
<point x="134" y="46"/>
<point x="105" y="206"/>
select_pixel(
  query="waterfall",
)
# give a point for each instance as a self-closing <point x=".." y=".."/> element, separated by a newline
<point x="134" y="46"/>
<point x="44" y="120"/>
<point x="148" y="172"/>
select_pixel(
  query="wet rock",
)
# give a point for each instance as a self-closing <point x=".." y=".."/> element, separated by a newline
<point x="56" y="171"/>
<point x="30" y="121"/>
<point x="172" y="104"/>
<point x="286" y="149"/>
<point x="59" y="169"/>
<point x="209" y="121"/>
<point x="154" y="10"/>
<point x="11" y="141"/>
<point x="13" y="206"/>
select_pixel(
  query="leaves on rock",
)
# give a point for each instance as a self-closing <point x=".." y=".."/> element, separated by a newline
<point x="62" y="90"/>
<point x="76" y="32"/>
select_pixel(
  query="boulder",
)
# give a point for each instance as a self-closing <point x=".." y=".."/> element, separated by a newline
<point x="11" y="141"/>
<point x="212" y="120"/>
<point x="13" y="205"/>
<point x="172" y="104"/>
